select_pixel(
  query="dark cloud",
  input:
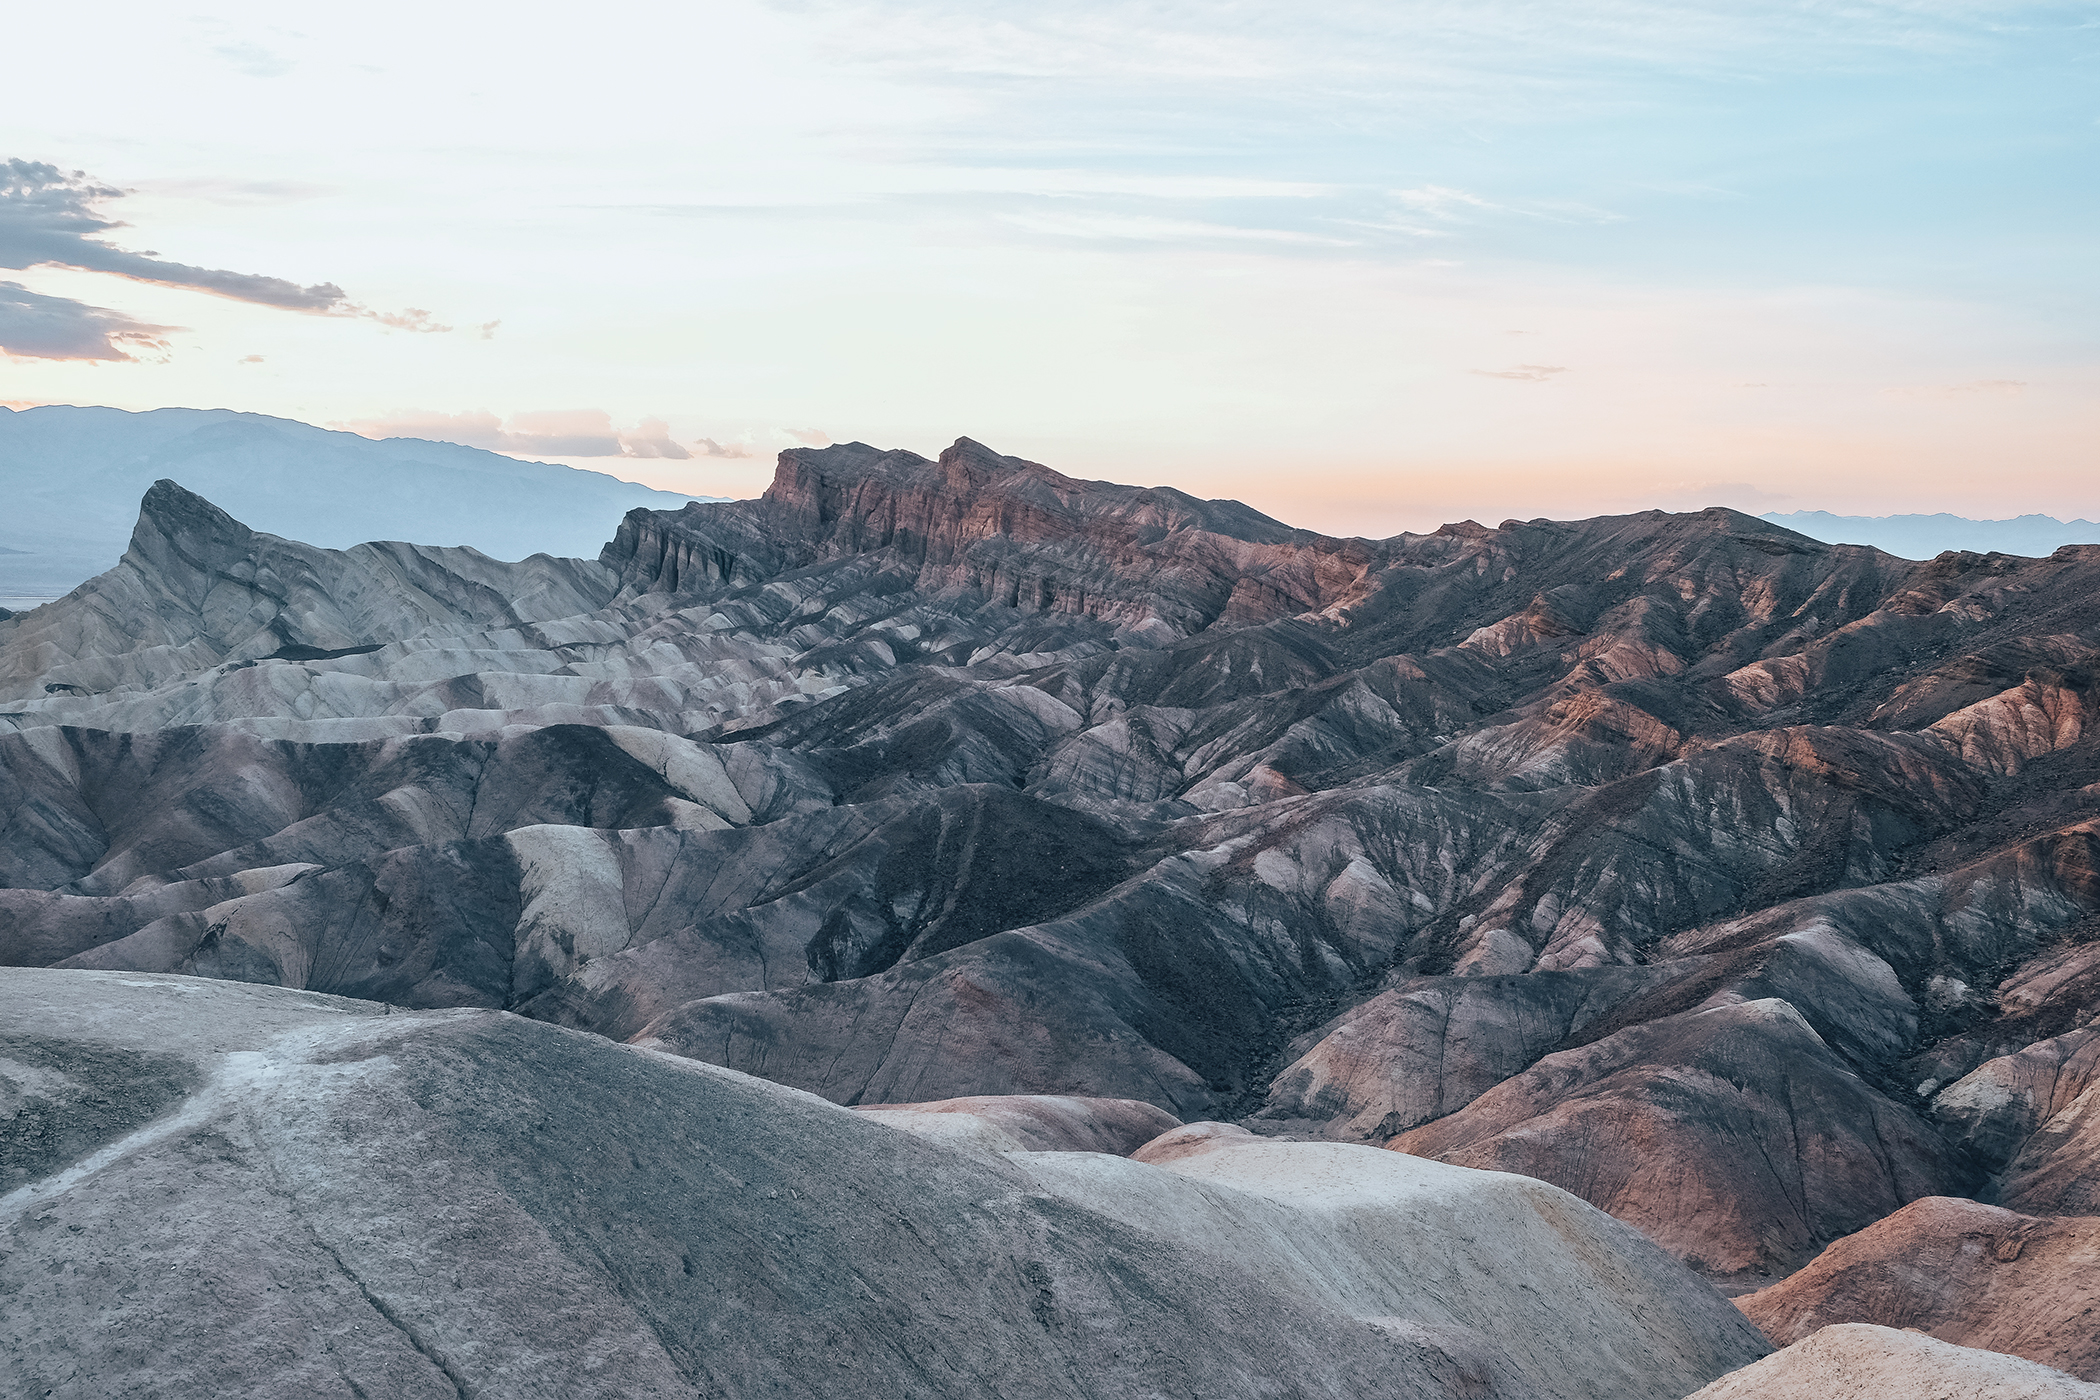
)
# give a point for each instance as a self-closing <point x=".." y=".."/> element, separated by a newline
<point x="48" y="217"/>
<point x="52" y="218"/>
<point x="38" y="327"/>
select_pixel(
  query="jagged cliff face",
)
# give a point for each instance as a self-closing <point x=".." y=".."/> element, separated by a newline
<point x="1715" y="874"/>
<point x="1153" y="561"/>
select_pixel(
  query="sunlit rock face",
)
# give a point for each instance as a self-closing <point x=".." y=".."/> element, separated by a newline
<point x="1965" y="1272"/>
<point x="1865" y="1361"/>
<point x="1737" y="883"/>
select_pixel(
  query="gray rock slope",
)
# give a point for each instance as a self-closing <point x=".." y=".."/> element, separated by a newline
<point x="1033" y="1122"/>
<point x="1680" y="860"/>
<point x="244" y="1191"/>
<point x="70" y="477"/>
<point x="196" y="589"/>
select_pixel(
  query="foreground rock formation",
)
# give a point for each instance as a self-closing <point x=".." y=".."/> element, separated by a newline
<point x="1742" y="885"/>
<point x="248" y="1191"/>
<point x="1859" y="1361"/>
<point x="1967" y="1273"/>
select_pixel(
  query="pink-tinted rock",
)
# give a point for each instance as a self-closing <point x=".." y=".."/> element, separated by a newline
<point x="1193" y="1140"/>
<point x="1859" y="1361"/>
<point x="1968" y="1273"/>
<point x="1733" y="1137"/>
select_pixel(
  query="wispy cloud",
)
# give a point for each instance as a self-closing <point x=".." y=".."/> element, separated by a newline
<point x="1144" y="228"/>
<point x="1537" y="374"/>
<point x="1985" y="388"/>
<point x="254" y="60"/>
<point x="53" y="218"/>
<point x="38" y="327"/>
<point x="1745" y="496"/>
<point x="651" y="438"/>
<point x="710" y="448"/>
<point x="237" y="192"/>
<point x="561" y="432"/>
<point x="1456" y="206"/>
<point x="1437" y="47"/>
<point x="1055" y="181"/>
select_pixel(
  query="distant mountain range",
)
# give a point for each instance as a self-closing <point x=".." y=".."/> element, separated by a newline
<point x="72" y="479"/>
<point x="1923" y="536"/>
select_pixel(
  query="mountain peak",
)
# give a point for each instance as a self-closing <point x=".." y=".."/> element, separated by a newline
<point x="168" y="504"/>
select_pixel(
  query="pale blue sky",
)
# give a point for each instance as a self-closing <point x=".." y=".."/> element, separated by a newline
<point x="1368" y="266"/>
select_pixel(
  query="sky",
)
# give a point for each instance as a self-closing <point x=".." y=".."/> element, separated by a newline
<point x="1369" y="267"/>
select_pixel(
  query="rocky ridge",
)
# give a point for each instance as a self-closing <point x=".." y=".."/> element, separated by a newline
<point x="1592" y="850"/>
<point x="1862" y="1361"/>
<point x="71" y="477"/>
<point x="1964" y="1272"/>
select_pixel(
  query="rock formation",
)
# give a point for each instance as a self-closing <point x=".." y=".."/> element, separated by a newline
<point x="1860" y="1361"/>
<point x="1032" y="1122"/>
<point x="251" y="1191"/>
<point x="1967" y="1273"/>
<point x="1743" y="885"/>
<point x="71" y="476"/>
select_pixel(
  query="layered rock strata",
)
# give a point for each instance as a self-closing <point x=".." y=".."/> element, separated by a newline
<point x="1975" y="1275"/>
<point x="1594" y="850"/>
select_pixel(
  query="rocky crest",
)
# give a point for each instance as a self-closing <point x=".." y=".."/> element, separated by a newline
<point x="1014" y="532"/>
<point x="1742" y="885"/>
<point x="1967" y="1273"/>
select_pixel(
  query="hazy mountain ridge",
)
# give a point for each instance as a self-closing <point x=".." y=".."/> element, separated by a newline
<point x="1923" y="536"/>
<point x="72" y="478"/>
